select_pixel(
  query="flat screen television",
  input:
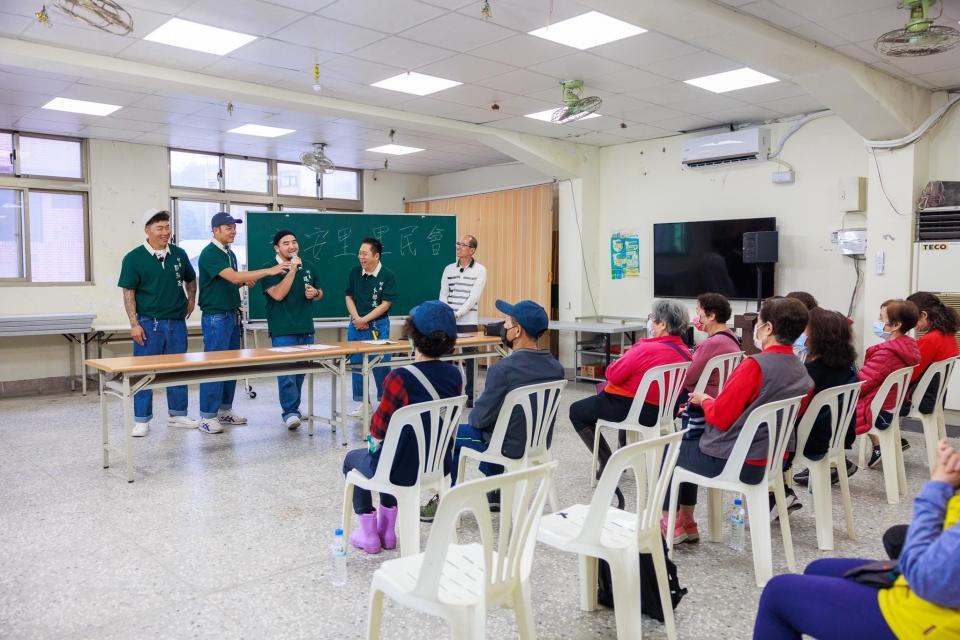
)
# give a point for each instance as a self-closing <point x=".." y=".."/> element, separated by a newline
<point x="690" y="258"/>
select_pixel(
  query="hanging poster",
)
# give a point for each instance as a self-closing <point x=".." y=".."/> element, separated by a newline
<point x="624" y="255"/>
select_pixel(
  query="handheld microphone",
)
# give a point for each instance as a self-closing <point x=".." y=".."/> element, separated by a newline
<point x="293" y="256"/>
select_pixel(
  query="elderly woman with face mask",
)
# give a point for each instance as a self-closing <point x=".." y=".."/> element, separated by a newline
<point x="662" y="346"/>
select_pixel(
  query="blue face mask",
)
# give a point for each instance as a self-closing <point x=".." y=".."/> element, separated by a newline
<point x="800" y="345"/>
<point x="878" y="330"/>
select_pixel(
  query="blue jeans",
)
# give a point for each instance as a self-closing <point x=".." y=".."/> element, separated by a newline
<point x="221" y="332"/>
<point x="471" y="438"/>
<point x="382" y="326"/>
<point x="161" y="337"/>
<point x="366" y="464"/>
<point x="290" y="386"/>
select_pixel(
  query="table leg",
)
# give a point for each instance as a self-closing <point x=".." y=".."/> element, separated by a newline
<point x="365" y="417"/>
<point x="343" y="400"/>
<point x="334" y="424"/>
<point x="310" y="404"/>
<point x="73" y="363"/>
<point x="83" y="364"/>
<point x="104" y="427"/>
<point x="128" y="425"/>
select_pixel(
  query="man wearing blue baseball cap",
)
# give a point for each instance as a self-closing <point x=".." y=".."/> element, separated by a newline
<point x="220" y="283"/>
<point x="527" y="364"/>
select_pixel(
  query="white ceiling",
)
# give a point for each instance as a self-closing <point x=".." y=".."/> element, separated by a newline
<point x="358" y="42"/>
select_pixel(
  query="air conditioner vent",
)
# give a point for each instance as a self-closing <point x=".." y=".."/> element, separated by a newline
<point x="938" y="223"/>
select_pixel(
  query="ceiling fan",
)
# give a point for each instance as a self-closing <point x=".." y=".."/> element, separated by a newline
<point x="920" y="36"/>
<point x="317" y="160"/>
<point x="575" y="106"/>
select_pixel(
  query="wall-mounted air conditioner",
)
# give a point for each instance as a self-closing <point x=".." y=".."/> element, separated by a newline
<point x="723" y="148"/>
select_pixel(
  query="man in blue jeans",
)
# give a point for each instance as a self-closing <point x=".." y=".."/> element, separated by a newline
<point x="290" y="300"/>
<point x="371" y="290"/>
<point x="153" y="277"/>
<point x="220" y="283"/>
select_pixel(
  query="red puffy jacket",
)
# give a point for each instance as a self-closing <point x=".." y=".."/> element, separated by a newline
<point x="879" y="362"/>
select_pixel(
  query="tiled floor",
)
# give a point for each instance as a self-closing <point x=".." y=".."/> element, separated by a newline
<point x="227" y="536"/>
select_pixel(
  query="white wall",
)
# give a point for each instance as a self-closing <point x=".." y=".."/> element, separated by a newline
<point x="500" y="176"/>
<point x="126" y="180"/>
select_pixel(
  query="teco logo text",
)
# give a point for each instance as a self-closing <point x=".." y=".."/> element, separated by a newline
<point x="934" y="247"/>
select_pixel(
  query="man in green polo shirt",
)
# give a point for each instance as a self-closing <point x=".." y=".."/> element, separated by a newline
<point x="290" y="299"/>
<point x="153" y="277"/>
<point x="220" y="283"/>
<point x="371" y="289"/>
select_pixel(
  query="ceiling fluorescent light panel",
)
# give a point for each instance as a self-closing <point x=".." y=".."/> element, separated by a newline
<point x="395" y="149"/>
<point x="743" y="78"/>
<point x="587" y="30"/>
<point x="198" y="37"/>
<point x="418" y="84"/>
<point x="261" y="130"/>
<point x="81" y="106"/>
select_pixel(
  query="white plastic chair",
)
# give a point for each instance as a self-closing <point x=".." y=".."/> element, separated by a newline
<point x="894" y="475"/>
<point x="724" y="364"/>
<point x="598" y="530"/>
<point x="781" y="416"/>
<point x="669" y="379"/>
<point x="934" y="425"/>
<point x="459" y="582"/>
<point x="443" y="418"/>
<point x="842" y="404"/>
<point x="546" y="397"/>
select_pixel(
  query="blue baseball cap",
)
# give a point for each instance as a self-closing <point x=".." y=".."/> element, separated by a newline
<point x="222" y="218"/>
<point x="528" y="314"/>
<point x="433" y="315"/>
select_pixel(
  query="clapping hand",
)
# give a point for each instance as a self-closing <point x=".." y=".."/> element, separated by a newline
<point x="947" y="467"/>
<point x="698" y="398"/>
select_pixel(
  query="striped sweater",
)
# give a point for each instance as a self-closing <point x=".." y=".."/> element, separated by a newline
<point x="461" y="289"/>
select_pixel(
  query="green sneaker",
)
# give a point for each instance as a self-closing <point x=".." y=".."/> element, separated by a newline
<point x="429" y="510"/>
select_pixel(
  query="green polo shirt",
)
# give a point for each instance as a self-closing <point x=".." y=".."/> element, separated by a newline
<point x="294" y="314"/>
<point x="216" y="294"/>
<point x="369" y="291"/>
<point x="158" y="286"/>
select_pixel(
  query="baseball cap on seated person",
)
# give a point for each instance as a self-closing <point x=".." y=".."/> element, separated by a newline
<point x="434" y="315"/>
<point x="528" y="314"/>
<point x="222" y="218"/>
<point x="155" y="215"/>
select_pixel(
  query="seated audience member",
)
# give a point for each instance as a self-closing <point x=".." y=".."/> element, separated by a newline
<point x="800" y="346"/>
<point x="923" y="600"/>
<point x="829" y="364"/>
<point x="432" y="328"/>
<point x="527" y="364"/>
<point x="713" y="311"/>
<point x="771" y="375"/>
<point x="939" y="324"/>
<point x="662" y="346"/>
<point x="898" y="350"/>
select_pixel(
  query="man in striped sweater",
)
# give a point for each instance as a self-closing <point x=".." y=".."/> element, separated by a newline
<point x="461" y="287"/>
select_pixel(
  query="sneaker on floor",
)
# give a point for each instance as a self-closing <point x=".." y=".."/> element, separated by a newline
<point x="229" y="417"/>
<point x="851" y="467"/>
<point x="904" y="445"/>
<point x="874" y="457"/>
<point x="429" y="510"/>
<point x="357" y="411"/>
<point x="802" y="478"/>
<point x="140" y="429"/>
<point x="679" y="533"/>
<point x="792" y="503"/>
<point x="493" y="501"/>
<point x="182" y="422"/>
<point x="210" y="425"/>
<point x="292" y="422"/>
<point x="690" y="529"/>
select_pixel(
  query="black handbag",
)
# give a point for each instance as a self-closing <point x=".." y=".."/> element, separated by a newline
<point x="879" y="575"/>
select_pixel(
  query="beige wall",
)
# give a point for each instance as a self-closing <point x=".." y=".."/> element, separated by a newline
<point x="125" y="180"/>
<point x="501" y="176"/>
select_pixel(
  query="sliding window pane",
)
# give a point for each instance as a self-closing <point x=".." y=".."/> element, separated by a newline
<point x="287" y="209"/>
<point x="197" y="170"/>
<point x="245" y="175"/>
<point x="58" y="236"/>
<point x="50" y="157"/>
<point x="6" y="153"/>
<point x="11" y="233"/>
<point x="193" y="226"/>
<point x="239" y="211"/>
<point x="342" y="185"/>
<point x="296" y="180"/>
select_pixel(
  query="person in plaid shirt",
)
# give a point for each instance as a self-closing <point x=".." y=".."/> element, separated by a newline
<point x="432" y="328"/>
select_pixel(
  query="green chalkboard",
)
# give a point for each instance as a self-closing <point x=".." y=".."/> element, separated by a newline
<point x="415" y="247"/>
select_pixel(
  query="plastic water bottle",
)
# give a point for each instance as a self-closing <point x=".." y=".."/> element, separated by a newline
<point x="338" y="559"/>
<point x="738" y="529"/>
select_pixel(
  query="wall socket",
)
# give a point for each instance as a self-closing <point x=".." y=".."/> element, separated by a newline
<point x="783" y="177"/>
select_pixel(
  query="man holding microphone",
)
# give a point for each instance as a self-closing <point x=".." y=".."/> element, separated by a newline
<point x="220" y="283"/>
<point x="290" y="298"/>
<point x="153" y="277"/>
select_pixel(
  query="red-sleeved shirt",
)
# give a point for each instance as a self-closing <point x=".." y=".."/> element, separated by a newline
<point x="934" y="346"/>
<point x="624" y="375"/>
<point x="741" y="390"/>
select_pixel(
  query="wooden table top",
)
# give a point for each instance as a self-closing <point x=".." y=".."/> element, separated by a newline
<point x="265" y="355"/>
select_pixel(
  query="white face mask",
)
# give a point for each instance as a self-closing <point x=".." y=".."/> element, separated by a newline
<point x="649" y="328"/>
<point x="879" y="331"/>
<point x="756" y="340"/>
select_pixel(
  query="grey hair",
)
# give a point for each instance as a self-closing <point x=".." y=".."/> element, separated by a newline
<point x="673" y="314"/>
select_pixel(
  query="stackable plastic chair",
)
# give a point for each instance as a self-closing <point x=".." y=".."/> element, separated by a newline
<point x="724" y="365"/>
<point x="779" y="418"/>
<point x="842" y="403"/>
<point x="894" y="475"/>
<point x="934" y="425"/>
<point x="539" y="403"/>
<point x="669" y="379"/>
<point x="598" y="530"/>
<point x="459" y="582"/>
<point x="442" y="419"/>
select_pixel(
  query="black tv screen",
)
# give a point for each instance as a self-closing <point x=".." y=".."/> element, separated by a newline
<point x="690" y="258"/>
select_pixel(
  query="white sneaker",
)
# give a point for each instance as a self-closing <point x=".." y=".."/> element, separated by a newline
<point x="140" y="429"/>
<point x="292" y="422"/>
<point x="357" y="411"/>
<point x="210" y="425"/>
<point x="229" y="417"/>
<point x="182" y="422"/>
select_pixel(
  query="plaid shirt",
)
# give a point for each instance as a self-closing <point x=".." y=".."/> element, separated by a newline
<point x="395" y="396"/>
<point x="400" y="389"/>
